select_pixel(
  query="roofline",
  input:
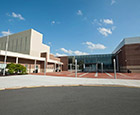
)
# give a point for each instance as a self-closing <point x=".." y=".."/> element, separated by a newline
<point x="22" y="32"/>
<point x="126" y="41"/>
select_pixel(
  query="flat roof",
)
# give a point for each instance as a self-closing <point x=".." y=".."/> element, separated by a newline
<point x="131" y="40"/>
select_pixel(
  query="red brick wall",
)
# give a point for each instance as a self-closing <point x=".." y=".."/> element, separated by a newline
<point x="129" y="58"/>
<point x="64" y="60"/>
<point x="54" y="58"/>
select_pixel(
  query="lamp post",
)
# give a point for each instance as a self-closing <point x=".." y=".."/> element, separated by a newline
<point x="102" y="67"/>
<point x="76" y="68"/>
<point x="5" y="58"/>
<point x="114" y="68"/>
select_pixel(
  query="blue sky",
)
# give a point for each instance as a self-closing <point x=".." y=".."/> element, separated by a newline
<point x="73" y="27"/>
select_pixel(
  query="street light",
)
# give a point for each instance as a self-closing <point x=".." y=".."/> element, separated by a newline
<point x="114" y="68"/>
<point x="5" y="58"/>
<point x="102" y="67"/>
<point x="76" y="68"/>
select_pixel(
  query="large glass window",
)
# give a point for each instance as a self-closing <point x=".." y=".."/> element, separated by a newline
<point x="91" y="61"/>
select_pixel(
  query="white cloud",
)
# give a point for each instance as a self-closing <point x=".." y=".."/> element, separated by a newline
<point x="50" y="43"/>
<point x="108" y="21"/>
<point x="53" y="22"/>
<point x="19" y="16"/>
<point x="93" y="46"/>
<point x="70" y="52"/>
<point x="66" y="51"/>
<point x="113" y="28"/>
<point x="95" y="21"/>
<point x="101" y="21"/>
<point x="79" y="12"/>
<point x="5" y="33"/>
<point x="79" y="53"/>
<point x="104" y="31"/>
<point x="113" y="2"/>
<point x="58" y="54"/>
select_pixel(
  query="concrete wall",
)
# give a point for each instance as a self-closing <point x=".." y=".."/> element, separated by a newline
<point x="37" y="47"/>
<point x="19" y="42"/>
<point x="26" y="42"/>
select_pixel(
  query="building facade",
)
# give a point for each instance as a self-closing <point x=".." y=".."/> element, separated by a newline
<point x="127" y="56"/>
<point x="27" y="49"/>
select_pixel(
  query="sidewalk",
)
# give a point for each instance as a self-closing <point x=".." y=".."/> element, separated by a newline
<point x="40" y="80"/>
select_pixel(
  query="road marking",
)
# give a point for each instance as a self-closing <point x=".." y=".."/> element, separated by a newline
<point x="96" y="75"/>
<point x="82" y="74"/>
<point x="71" y="74"/>
<point x="123" y="75"/>
<point x="109" y="74"/>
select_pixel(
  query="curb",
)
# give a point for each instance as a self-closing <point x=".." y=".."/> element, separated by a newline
<point x="100" y="85"/>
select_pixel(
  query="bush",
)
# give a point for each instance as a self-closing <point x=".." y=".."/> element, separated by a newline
<point x="16" y="69"/>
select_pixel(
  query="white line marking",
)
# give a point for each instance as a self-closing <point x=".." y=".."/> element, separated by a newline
<point x="82" y="74"/>
<point x="96" y="75"/>
<point x="109" y="74"/>
<point x="72" y="74"/>
<point x="123" y="75"/>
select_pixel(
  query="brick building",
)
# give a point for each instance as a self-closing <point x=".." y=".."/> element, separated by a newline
<point x="127" y="55"/>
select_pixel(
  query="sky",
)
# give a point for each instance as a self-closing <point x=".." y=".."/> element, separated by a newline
<point x="73" y="27"/>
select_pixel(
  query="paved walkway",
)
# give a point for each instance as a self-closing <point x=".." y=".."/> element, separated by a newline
<point x="40" y="80"/>
<point x="132" y="76"/>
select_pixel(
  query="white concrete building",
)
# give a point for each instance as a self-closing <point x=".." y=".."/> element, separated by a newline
<point x="27" y="48"/>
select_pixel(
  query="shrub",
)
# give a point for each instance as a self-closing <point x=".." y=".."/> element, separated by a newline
<point x="16" y="69"/>
<point x="11" y="68"/>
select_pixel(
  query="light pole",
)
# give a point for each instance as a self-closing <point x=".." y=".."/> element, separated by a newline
<point x="76" y="68"/>
<point x="5" y="58"/>
<point x="102" y="67"/>
<point x="114" y="68"/>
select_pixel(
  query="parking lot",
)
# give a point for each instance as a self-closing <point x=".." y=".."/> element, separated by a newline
<point x="134" y="76"/>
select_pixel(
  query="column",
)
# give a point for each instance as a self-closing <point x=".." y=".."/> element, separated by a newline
<point x="45" y="67"/>
<point x="16" y="60"/>
<point x="54" y="67"/>
<point x="35" y="64"/>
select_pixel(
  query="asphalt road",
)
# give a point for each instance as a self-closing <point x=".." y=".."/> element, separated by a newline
<point x="71" y="101"/>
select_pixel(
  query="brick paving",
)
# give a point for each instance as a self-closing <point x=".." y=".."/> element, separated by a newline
<point x="134" y="76"/>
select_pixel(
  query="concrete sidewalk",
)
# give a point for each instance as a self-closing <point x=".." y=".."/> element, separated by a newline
<point x="40" y="80"/>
